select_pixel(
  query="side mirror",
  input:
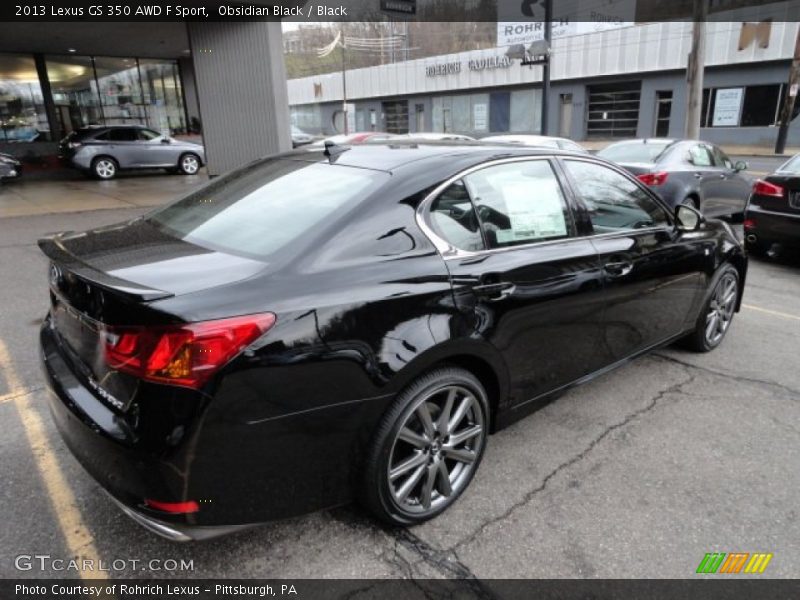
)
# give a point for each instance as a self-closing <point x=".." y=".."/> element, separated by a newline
<point x="740" y="165"/>
<point x="166" y="140"/>
<point x="689" y="218"/>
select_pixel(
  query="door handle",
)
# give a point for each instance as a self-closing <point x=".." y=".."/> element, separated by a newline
<point x="698" y="175"/>
<point x="494" y="291"/>
<point x="618" y="269"/>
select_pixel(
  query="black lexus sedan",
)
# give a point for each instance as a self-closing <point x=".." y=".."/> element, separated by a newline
<point x="772" y="219"/>
<point x="352" y="323"/>
<point x="686" y="172"/>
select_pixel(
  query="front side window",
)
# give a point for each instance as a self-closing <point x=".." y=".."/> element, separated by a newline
<point x="721" y="159"/>
<point x="519" y="203"/>
<point x="268" y="206"/>
<point x="615" y="202"/>
<point x="148" y="135"/>
<point x="454" y="220"/>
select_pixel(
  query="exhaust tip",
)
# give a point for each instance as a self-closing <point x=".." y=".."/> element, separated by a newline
<point x="752" y="238"/>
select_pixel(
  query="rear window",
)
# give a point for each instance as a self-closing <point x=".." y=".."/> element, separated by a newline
<point x="265" y="207"/>
<point x="791" y="166"/>
<point x="638" y="152"/>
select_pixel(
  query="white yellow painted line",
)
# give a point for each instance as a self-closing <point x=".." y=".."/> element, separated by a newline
<point x="774" y="313"/>
<point x="65" y="507"/>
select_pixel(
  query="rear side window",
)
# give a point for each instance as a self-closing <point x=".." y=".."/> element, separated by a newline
<point x="519" y="203"/>
<point x="454" y="220"/>
<point x="700" y="156"/>
<point x="265" y="207"/>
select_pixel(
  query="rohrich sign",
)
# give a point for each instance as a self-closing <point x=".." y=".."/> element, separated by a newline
<point x="473" y="64"/>
<point x="570" y="17"/>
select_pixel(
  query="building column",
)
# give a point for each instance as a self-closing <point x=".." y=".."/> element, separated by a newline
<point x="240" y="79"/>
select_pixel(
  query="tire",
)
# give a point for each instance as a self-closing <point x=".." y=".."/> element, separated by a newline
<point x="189" y="164"/>
<point x="104" y="167"/>
<point x="420" y="460"/>
<point x="719" y="309"/>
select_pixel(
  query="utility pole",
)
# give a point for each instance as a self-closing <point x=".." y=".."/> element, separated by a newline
<point x="548" y="38"/>
<point x="694" y="71"/>
<point x="789" y="98"/>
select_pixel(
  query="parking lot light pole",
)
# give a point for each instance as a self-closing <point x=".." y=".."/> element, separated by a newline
<point x="548" y="38"/>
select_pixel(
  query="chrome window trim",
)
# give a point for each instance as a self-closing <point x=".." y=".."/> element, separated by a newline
<point x="450" y="252"/>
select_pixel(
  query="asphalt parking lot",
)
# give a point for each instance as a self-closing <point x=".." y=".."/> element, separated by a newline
<point x="636" y="474"/>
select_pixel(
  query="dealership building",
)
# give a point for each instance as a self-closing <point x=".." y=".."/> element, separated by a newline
<point x="173" y="77"/>
<point x="229" y="79"/>
<point x="628" y="81"/>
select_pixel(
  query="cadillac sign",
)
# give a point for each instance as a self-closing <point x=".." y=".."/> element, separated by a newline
<point x="473" y="64"/>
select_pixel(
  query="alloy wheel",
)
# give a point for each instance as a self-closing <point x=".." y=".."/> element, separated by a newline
<point x="190" y="165"/>
<point x="721" y="308"/>
<point x="105" y="168"/>
<point x="436" y="449"/>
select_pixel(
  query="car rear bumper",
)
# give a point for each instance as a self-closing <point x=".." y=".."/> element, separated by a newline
<point x="763" y="226"/>
<point x="241" y="472"/>
<point x="101" y="443"/>
<point x="177" y="532"/>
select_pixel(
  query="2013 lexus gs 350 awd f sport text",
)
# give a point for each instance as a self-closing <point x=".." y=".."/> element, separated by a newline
<point x="319" y="327"/>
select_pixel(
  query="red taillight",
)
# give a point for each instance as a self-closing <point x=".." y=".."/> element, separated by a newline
<point x="173" y="507"/>
<point x="187" y="354"/>
<point x="765" y="188"/>
<point x="749" y="223"/>
<point x="653" y="178"/>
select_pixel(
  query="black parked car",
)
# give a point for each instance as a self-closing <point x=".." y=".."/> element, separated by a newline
<point x="773" y="213"/>
<point x="322" y="326"/>
<point x="10" y="167"/>
<point x="686" y="172"/>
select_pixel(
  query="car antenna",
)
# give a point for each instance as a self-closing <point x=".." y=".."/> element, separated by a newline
<point x="333" y="150"/>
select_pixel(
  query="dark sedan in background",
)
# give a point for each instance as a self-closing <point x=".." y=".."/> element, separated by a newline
<point x="352" y="323"/>
<point x="773" y="214"/>
<point x="686" y="172"/>
<point x="10" y="167"/>
<point x="103" y="151"/>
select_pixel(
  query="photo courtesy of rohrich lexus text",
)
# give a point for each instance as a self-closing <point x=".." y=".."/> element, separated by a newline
<point x="400" y="299"/>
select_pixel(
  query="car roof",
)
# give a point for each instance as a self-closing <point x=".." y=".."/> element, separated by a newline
<point x="389" y="155"/>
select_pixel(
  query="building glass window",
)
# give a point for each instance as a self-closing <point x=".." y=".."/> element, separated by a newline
<point x="758" y="106"/>
<point x="116" y="91"/>
<point x="465" y="113"/>
<point x="308" y="118"/>
<point x="526" y="111"/>
<point x="22" y="114"/>
<point x="161" y="87"/>
<point x="75" y="94"/>
<point x="120" y="92"/>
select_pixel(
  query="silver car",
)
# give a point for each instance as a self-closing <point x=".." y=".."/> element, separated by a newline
<point x="102" y="152"/>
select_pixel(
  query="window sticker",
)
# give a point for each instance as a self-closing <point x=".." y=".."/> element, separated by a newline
<point x="535" y="211"/>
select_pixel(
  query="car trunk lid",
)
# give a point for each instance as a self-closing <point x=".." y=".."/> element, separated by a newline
<point x="115" y="276"/>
